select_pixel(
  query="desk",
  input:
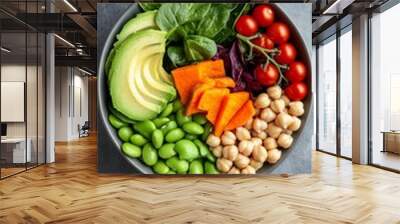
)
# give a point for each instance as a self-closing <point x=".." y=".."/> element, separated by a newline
<point x="391" y="141"/>
<point x="16" y="147"/>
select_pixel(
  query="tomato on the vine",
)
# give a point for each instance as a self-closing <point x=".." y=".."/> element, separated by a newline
<point x="296" y="91"/>
<point x="263" y="41"/>
<point x="246" y="25"/>
<point x="297" y="71"/>
<point x="268" y="76"/>
<point x="278" y="32"/>
<point x="264" y="15"/>
<point x="287" y="54"/>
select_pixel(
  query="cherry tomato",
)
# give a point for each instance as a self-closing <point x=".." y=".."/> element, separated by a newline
<point x="268" y="76"/>
<point x="297" y="71"/>
<point x="296" y="91"/>
<point x="263" y="41"/>
<point x="287" y="54"/>
<point x="264" y="15"/>
<point x="278" y="32"/>
<point x="246" y="25"/>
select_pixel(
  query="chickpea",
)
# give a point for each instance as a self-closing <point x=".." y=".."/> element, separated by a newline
<point x="246" y="147"/>
<point x="296" y="108"/>
<point x="224" y="165"/>
<point x="267" y="115"/>
<point x="249" y="124"/>
<point x="259" y="125"/>
<point x="289" y="132"/>
<point x="278" y="106"/>
<point x="234" y="170"/>
<point x="262" y="101"/>
<point x="261" y="135"/>
<point x="242" y="161"/>
<point x="228" y="138"/>
<point x="256" y="141"/>
<point x="273" y="156"/>
<point x="285" y="141"/>
<point x="248" y="170"/>
<point x="286" y="100"/>
<point x="217" y="151"/>
<point x="260" y="153"/>
<point x="270" y="143"/>
<point x="243" y="133"/>
<point x="256" y="165"/>
<point x="283" y="120"/>
<point x="273" y="130"/>
<point x="295" y="125"/>
<point x="213" y="140"/>
<point x="230" y="152"/>
<point x="274" y="92"/>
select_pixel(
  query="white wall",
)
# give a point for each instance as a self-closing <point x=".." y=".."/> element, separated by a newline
<point x="71" y="102"/>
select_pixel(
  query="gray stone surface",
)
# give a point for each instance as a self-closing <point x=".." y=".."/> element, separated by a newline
<point x="296" y="160"/>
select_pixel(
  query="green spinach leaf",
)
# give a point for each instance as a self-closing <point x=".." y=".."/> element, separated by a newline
<point x="198" y="48"/>
<point x="149" y="6"/>
<point x="176" y="55"/>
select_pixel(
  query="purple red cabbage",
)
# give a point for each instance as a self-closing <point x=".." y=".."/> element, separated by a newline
<point x="240" y="70"/>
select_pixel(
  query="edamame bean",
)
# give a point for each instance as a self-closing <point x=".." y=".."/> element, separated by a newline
<point x="167" y="151"/>
<point x="161" y="168"/>
<point x="131" y="150"/>
<point x="207" y="130"/>
<point x="187" y="150"/>
<point x="168" y="127"/>
<point x="193" y="128"/>
<point x="138" y="140"/>
<point x="200" y="119"/>
<point x="173" y="96"/>
<point x="210" y="168"/>
<point x="177" y="105"/>
<point x="157" y="138"/>
<point x="167" y="110"/>
<point x="181" y="118"/>
<point x="180" y="166"/>
<point x="210" y="157"/>
<point x="115" y="122"/>
<point x="174" y="135"/>
<point x="171" y="172"/>
<point x="145" y="128"/>
<point x="196" y="167"/>
<point x="190" y="137"/>
<point x="203" y="149"/>
<point x="159" y="122"/>
<point x="171" y="162"/>
<point x="149" y="155"/>
<point x="125" y="133"/>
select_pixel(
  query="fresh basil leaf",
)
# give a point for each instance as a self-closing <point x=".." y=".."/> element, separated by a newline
<point x="198" y="48"/>
<point x="149" y="6"/>
<point x="214" y="22"/>
<point x="176" y="55"/>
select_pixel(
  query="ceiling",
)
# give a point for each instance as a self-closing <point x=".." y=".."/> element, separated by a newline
<point x="75" y="22"/>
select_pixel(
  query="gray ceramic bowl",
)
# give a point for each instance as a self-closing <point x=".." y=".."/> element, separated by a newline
<point x="103" y="95"/>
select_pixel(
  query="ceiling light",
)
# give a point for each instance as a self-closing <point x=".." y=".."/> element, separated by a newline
<point x="70" y="5"/>
<point x="5" y="50"/>
<point x="64" y="40"/>
<point x="84" y="71"/>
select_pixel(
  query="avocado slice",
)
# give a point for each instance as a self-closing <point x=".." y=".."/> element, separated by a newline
<point x="126" y="97"/>
<point x="151" y="71"/>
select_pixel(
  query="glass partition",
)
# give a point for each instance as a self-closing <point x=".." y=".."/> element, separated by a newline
<point x="326" y="78"/>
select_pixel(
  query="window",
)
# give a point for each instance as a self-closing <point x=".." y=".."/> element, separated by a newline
<point x="346" y="74"/>
<point x="326" y="78"/>
<point x="385" y="89"/>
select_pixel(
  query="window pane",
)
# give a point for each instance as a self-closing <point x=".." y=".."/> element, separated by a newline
<point x="346" y="93"/>
<point x="385" y="83"/>
<point x="327" y="96"/>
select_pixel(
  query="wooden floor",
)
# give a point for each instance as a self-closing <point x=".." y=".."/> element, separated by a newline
<point x="71" y="191"/>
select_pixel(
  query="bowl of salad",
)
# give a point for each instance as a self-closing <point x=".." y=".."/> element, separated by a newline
<point x="205" y="88"/>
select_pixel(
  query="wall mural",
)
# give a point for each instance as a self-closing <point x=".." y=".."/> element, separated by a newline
<point x="209" y="88"/>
